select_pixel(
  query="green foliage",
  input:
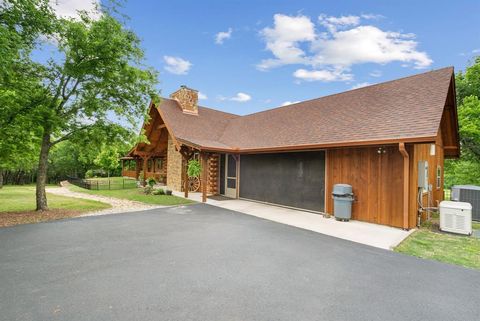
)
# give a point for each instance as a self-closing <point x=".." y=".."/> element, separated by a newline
<point x="462" y="171"/>
<point x="159" y="191"/>
<point x="151" y="181"/>
<point x="95" y="72"/>
<point x="108" y="159"/>
<point x="147" y="190"/>
<point x="193" y="168"/>
<point x="466" y="170"/>
<point x="89" y="173"/>
<point x="22" y="22"/>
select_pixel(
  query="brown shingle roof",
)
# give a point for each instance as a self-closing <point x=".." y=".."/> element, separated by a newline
<point x="403" y="109"/>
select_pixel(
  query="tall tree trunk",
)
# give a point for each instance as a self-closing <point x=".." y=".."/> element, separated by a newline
<point x="42" y="172"/>
<point x="1" y="178"/>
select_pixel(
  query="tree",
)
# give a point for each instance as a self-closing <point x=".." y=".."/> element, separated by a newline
<point x="466" y="170"/>
<point x="95" y="72"/>
<point x="21" y="24"/>
<point x="108" y="159"/>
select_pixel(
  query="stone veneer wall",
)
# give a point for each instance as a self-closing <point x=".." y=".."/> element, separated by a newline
<point x="187" y="98"/>
<point x="174" y="166"/>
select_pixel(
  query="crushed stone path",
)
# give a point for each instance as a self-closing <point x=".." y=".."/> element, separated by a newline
<point x="118" y="205"/>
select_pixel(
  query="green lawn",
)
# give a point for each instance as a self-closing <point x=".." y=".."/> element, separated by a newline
<point x="136" y="195"/>
<point x="17" y="206"/>
<point x="430" y="243"/>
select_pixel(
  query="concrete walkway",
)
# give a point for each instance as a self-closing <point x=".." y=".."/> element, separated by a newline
<point x="380" y="236"/>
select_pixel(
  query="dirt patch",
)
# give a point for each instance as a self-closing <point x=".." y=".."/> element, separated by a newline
<point x="15" y="218"/>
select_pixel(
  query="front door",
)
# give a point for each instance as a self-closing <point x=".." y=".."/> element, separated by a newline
<point x="230" y="176"/>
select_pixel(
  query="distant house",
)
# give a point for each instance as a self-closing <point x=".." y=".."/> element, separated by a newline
<point x="371" y="138"/>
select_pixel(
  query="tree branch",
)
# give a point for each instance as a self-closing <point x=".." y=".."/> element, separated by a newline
<point x="70" y="134"/>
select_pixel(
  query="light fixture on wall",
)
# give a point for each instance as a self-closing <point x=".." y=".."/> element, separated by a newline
<point x="381" y="150"/>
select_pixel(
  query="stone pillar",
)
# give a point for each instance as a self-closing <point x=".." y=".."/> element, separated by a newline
<point x="174" y="166"/>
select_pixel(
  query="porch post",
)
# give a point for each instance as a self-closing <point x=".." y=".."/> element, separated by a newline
<point x="204" y="158"/>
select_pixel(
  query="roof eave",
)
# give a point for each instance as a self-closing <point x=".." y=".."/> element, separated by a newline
<point x="307" y="147"/>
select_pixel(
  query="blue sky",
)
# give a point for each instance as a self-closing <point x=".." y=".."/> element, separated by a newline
<point x="272" y="52"/>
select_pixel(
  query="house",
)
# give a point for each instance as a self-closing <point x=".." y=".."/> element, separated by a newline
<point x="380" y="139"/>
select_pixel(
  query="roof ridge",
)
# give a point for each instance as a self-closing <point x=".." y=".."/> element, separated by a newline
<point x="350" y="90"/>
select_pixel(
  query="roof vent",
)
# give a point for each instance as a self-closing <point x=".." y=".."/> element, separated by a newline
<point x="187" y="98"/>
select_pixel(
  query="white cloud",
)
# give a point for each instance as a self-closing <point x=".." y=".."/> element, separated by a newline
<point x="286" y="103"/>
<point x="322" y="75"/>
<point x="202" y="96"/>
<point x="332" y="23"/>
<point x="376" y="73"/>
<point x="368" y="44"/>
<point x="222" y="36"/>
<point x="241" y="97"/>
<point x="70" y="8"/>
<point x="360" y="85"/>
<point x="283" y="40"/>
<point x="345" y="41"/>
<point x="177" y="65"/>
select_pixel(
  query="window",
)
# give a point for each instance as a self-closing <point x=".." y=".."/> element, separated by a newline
<point x="439" y="177"/>
<point x="158" y="164"/>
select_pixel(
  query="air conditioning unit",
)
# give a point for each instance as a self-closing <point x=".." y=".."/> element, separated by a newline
<point x="469" y="194"/>
<point x="456" y="217"/>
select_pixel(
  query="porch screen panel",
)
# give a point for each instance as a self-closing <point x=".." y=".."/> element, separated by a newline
<point x="222" y="174"/>
<point x="290" y="179"/>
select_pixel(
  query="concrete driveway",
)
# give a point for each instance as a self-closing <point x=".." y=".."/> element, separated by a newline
<point x="201" y="262"/>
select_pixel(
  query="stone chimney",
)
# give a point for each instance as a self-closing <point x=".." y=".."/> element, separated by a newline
<point x="187" y="98"/>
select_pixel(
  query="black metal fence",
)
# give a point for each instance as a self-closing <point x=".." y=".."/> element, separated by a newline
<point x="103" y="184"/>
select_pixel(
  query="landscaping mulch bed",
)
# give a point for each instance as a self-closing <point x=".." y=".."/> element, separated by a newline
<point x="15" y="218"/>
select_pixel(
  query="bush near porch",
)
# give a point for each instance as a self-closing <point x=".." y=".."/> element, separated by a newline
<point x="430" y="243"/>
<point x="136" y="194"/>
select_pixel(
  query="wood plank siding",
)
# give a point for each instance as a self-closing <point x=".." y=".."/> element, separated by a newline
<point x="376" y="176"/>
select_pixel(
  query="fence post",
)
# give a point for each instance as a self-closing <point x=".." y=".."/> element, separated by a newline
<point x="109" y="185"/>
<point x="97" y="186"/>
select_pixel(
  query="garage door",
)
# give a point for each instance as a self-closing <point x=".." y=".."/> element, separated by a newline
<point x="290" y="179"/>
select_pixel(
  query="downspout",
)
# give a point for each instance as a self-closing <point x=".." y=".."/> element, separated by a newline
<point x="406" y="181"/>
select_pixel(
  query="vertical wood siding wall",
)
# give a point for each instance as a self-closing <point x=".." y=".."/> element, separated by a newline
<point x="376" y="178"/>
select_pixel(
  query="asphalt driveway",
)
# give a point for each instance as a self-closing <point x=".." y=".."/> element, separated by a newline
<point x="201" y="262"/>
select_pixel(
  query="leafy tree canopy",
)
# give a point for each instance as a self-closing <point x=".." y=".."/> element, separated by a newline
<point x="95" y="72"/>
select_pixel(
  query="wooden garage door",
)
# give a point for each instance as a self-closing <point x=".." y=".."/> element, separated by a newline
<point x="290" y="179"/>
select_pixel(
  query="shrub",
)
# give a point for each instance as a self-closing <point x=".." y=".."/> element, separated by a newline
<point x="89" y="173"/>
<point x="168" y="192"/>
<point x="148" y="190"/>
<point x="151" y="181"/>
<point x="160" y="191"/>
<point x="193" y="168"/>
